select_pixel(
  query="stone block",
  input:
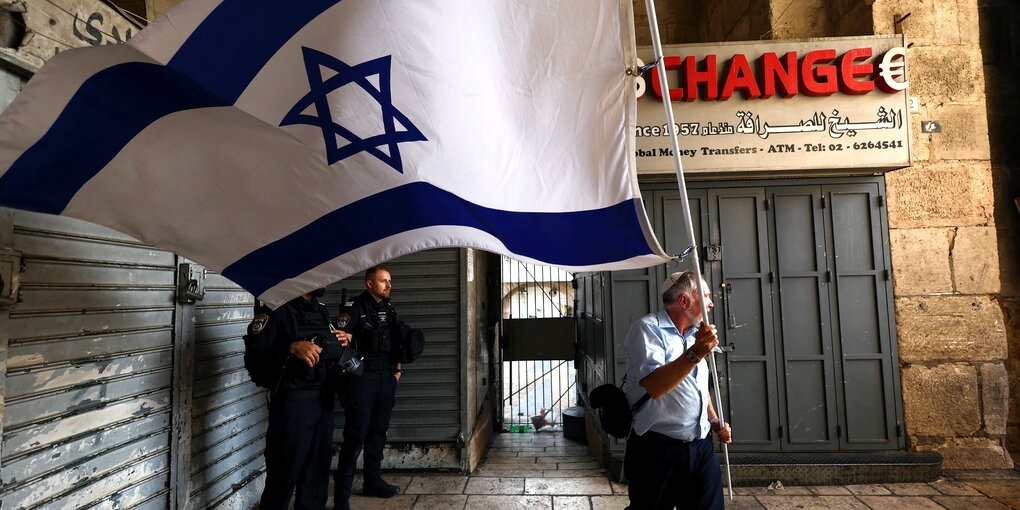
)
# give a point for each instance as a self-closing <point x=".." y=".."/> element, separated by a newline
<point x="919" y="152"/>
<point x="921" y="27"/>
<point x="970" y="453"/>
<point x="975" y="260"/>
<point x="995" y="397"/>
<point x="941" y="401"/>
<point x="920" y="260"/>
<point x="946" y="74"/>
<point x="964" y="132"/>
<point x="1009" y="261"/>
<point x="946" y="194"/>
<point x="956" y="22"/>
<point x="950" y="328"/>
<point x="931" y="21"/>
<point x="800" y="19"/>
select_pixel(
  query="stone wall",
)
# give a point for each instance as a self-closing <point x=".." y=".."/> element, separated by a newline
<point x="944" y="244"/>
<point x="691" y="21"/>
<point x="1000" y="47"/>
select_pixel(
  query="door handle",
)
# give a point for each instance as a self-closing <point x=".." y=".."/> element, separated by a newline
<point x="729" y="322"/>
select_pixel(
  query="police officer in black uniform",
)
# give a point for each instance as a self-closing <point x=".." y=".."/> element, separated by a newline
<point x="282" y="354"/>
<point x="368" y="398"/>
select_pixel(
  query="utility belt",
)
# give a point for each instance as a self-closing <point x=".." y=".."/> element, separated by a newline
<point x="377" y="364"/>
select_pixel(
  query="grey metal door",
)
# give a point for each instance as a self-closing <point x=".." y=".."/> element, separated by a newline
<point x="802" y="320"/>
<point x="864" y="338"/>
<point x="739" y="261"/>
<point x="803" y="306"/>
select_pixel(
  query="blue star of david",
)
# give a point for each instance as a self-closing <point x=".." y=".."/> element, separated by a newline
<point x="323" y="118"/>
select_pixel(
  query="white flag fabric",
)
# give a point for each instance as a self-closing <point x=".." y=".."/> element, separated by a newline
<point x="291" y="144"/>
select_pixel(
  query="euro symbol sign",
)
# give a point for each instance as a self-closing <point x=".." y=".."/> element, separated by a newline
<point x="892" y="71"/>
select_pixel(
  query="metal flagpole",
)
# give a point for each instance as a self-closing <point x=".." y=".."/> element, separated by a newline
<point x="696" y="259"/>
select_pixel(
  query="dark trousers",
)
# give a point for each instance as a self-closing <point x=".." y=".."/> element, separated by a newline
<point x="368" y="404"/>
<point x="298" y="450"/>
<point x="664" y="473"/>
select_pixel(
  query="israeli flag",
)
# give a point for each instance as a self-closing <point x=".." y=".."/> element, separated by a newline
<point x="289" y="144"/>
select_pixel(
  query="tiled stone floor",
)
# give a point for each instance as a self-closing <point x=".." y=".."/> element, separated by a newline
<point x="540" y="471"/>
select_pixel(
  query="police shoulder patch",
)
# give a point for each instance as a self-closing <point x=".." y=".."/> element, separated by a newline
<point x="258" y="324"/>
<point x="342" y="321"/>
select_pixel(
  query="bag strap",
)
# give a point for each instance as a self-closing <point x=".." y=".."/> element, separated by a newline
<point x="637" y="405"/>
<point x="641" y="401"/>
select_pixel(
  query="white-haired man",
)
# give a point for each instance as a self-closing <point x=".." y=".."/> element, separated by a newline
<point x="670" y="460"/>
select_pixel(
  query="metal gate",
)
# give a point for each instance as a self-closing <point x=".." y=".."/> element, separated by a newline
<point x="538" y="345"/>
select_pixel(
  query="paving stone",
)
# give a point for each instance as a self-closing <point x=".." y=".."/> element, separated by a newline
<point x="437" y="484"/>
<point x="951" y="487"/>
<point x="529" y="450"/>
<point x="508" y="503"/>
<point x="900" y="503"/>
<point x="574" y="458"/>
<point x="618" y="488"/>
<point x="510" y="460"/>
<point x="983" y="474"/>
<point x="742" y="503"/>
<point x="567" y="451"/>
<point x="911" y="489"/>
<point x="1006" y="492"/>
<point x="578" y="465"/>
<point x="568" y="486"/>
<point x="609" y="502"/>
<point x="969" y="503"/>
<point x="501" y="452"/>
<point x="511" y="439"/>
<point x="792" y="491"/>
<point x="401" y="502"/>
<point x="829" y="490"/>
<point x="441" y="502"/>
<point x="868" y="490"/>
<point x="571" y="473"/>
<point x="751" y="491"/>
<point x="571" y="503"/>
<point x="504" y="473"/>
<point x="799" y="502"/>
<point x="489" y="485"/>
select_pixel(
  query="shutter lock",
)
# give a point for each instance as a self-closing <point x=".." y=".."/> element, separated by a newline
<point x="10" y="278"/>
<point x="190" y="283"/>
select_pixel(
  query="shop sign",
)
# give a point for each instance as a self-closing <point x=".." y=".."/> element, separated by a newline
<point x="835" y="105"/>
<point x="52" y="26"/>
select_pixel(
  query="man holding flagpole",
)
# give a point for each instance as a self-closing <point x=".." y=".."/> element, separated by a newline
<point x="670" y="460"/>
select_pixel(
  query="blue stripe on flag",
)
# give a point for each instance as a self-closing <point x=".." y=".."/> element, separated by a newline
<point x="238" y="37"/>
<point x="213" y="67"/>
<point x="109" y="109"/>
<point x="566" y="238"/>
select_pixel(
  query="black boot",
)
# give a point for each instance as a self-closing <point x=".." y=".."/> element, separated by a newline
<point x="380" y="489"/>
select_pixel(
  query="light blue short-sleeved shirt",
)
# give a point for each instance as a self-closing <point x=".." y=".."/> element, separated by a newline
<point x="682" y="413"/>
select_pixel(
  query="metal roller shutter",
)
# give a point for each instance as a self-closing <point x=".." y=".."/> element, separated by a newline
<point x="90" y="355"/>
<point x="228" y="412"/>
<point x="427" y="295"/>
